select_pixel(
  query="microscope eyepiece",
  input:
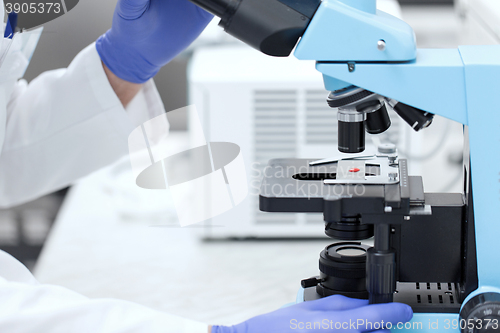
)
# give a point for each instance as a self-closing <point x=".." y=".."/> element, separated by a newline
<point x="271" y="26"/>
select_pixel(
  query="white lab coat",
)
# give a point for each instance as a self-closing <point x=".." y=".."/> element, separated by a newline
<point x="62" y="126"/>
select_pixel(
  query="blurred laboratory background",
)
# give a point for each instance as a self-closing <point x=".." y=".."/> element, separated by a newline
<point x="105" y="237"/>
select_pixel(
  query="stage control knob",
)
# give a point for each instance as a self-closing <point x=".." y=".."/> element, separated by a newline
<point x="481" y="314"/>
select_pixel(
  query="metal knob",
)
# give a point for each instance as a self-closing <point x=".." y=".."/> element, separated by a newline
<point x="381" y="45"/>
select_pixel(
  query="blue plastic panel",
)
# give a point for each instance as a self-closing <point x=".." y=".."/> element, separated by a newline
<point x="339" y="32"/>
<point x="434" y="83"/>
<point x="482" y="74"/>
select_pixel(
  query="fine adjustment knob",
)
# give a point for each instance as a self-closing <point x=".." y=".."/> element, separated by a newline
<point x="481" y="314"/>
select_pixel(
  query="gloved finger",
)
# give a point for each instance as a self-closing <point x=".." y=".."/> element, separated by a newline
<point x="335" y="303"/>
<point x="132" y="9"/>
<point x="369" y="317"/>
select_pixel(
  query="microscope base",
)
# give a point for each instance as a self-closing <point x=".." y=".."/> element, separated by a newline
<point x="422" y="297"/>
<point x="421" y="322"/>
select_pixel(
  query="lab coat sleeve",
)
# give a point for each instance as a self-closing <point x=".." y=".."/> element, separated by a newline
<point x="27" y="306"/>
<point x="64" y="125"/>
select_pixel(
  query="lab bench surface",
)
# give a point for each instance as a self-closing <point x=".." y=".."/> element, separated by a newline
<point x="112" y="239"/>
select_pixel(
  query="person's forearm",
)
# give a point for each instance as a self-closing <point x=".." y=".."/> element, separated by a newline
<point x="210" y="329"/>
<point x="125" y="90"/>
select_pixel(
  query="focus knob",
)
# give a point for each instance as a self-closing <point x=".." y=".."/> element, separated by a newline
<point x="481" y="314"/>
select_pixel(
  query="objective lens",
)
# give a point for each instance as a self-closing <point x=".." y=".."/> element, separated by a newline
<point x="416" y="118"/>
<point x="378" y="121"/>
<point x="351" y="132"/>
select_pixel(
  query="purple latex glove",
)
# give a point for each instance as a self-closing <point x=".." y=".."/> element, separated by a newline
<point x="334" y="313"/>
<point x="147" y="34"/>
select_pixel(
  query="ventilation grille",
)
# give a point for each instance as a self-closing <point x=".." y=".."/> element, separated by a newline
<point x="275" y="133"/>
<point x="321" y="120"/>
<point x="428" y="296"/>
<point x="275" y="115"/>
<point x="435" y="293"/>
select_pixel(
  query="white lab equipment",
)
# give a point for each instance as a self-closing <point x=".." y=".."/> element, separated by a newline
<point x="480" y="21"/>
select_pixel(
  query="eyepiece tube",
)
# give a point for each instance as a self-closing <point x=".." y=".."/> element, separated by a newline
<point x="271" y="26"/>
<point x="216" y="7"/>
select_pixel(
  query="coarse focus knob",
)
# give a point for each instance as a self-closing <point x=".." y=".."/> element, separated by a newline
<point x="380" y="278"/>
<point x="481" y="314"/>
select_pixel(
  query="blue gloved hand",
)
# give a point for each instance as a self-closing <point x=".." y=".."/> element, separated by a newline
<point x="329" y="313"/>
<point x="147" y="34"/>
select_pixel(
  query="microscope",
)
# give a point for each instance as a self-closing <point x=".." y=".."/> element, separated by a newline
<point x="432" y="251"/>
